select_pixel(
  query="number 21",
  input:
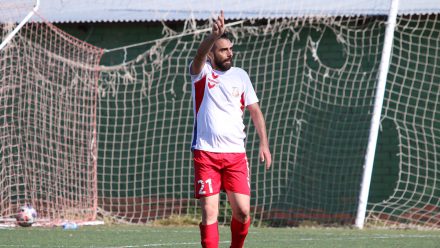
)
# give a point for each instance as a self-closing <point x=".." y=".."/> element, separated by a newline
<point x="202" y="186"/>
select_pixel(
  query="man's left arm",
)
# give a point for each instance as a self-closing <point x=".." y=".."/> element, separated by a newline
<point x="260" y="126"/>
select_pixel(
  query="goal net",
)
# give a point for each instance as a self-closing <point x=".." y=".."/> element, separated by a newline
<point x="71" y="145"/>
<point x="316" y="79"/>
<point x="317" y="104"/>
<point x="411" y="114"/>
<point x="48" y="99"/>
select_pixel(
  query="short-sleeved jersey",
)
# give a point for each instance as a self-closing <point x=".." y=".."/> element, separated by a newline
<point x="219" y="99"/>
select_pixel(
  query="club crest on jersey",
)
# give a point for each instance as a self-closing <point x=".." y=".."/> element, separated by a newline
<point x="212" y="82"/>
<point x="235" y="92"/>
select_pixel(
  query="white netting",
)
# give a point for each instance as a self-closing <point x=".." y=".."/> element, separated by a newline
<point x="48" y="93"/>
<point x="411" y="111"/>
<point x="70" y="146"/>
<point x="146" y="121"/>
<point x="316" y="78"/>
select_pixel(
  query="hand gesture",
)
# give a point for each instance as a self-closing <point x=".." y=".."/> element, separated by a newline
<point x="218" y="27"/>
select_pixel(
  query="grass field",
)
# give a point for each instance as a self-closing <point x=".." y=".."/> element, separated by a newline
<point x="148" y="236"/>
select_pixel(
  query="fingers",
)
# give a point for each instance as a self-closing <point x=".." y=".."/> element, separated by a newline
<point x="221" y="18"/>
<point x="266" y="157"/>
<point x="218" y="26"/>
<point x="268" y="163"/>
<point x="215" y="27"/>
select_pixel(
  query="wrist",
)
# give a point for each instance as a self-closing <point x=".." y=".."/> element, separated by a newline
<point x="263" y="144"/>
<point x="213" y="37"/>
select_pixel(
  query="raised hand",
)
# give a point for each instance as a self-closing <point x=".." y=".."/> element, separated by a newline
<point x="218" y="27"/>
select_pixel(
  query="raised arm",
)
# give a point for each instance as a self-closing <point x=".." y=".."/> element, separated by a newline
<point x="260" y="126"/>
<point x="218" y="28"/>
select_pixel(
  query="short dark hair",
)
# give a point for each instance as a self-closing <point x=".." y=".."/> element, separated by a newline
<point x="225" y="35"/>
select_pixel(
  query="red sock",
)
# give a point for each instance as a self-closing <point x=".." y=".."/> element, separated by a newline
<point x="238" y="232"/>
<point x="209" y="235"/>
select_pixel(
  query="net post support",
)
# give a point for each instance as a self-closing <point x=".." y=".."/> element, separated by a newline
<point x="20" y="25"/>
<point x="375" y="120"/>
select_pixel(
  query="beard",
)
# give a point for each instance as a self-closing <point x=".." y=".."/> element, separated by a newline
<point x="223" y="65"/>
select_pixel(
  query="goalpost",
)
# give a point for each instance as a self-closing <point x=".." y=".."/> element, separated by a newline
<point x="375" y="120"/>
<point x="76" y="147"/>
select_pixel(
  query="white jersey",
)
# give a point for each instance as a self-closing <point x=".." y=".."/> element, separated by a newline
<point x="219" y="99"/>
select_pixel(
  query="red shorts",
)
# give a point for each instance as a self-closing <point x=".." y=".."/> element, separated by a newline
<point x="216" y="171"/>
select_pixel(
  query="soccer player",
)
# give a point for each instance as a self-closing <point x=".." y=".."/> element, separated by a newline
<point x="221" y="93"/>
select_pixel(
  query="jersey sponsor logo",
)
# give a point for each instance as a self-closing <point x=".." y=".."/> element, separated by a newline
<point x="211" y="85"/>
<point x="212" y="82"/>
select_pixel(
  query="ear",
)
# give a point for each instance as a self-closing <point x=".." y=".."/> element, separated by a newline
<point x="211" y="56"/>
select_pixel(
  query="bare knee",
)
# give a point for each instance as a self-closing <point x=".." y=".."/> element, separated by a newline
<point x="242" y="215"/>
<point x="240" y="204"/>
<point x="209" y="210"/>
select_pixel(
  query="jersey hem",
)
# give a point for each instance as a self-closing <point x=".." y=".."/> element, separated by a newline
<point x="219" y="150"/>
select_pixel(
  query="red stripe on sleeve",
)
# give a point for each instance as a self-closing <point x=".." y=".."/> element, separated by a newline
<point x="199" y="92"/>
<point x="242" y="102"/>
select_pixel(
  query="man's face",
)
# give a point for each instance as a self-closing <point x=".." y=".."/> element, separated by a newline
<point x="222" y="54"/>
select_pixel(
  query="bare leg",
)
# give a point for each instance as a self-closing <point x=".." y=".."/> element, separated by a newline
<point x="209" y="209"/>
<point x="209" y="226"/>
<point x="241" y="220"/>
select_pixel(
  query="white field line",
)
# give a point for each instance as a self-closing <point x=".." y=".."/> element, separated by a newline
<point x="162" y="244"/>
